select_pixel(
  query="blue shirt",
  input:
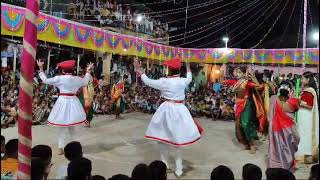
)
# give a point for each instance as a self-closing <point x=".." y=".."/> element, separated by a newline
<point x="216" y="87"/>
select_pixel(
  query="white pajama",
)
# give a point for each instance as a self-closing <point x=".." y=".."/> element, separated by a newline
<point x="66" y="135"/>
<point x="164" y="154"/>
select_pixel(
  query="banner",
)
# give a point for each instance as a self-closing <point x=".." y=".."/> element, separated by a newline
<point x="66" y="32"/>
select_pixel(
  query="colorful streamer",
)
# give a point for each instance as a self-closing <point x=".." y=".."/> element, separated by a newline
<point x="69" y="33"/>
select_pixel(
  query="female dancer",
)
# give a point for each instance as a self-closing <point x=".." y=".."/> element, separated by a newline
<point x="172" y="123"/>
<point x="86" y="99"/>
<point x="308" y="120"/>
<point x="116" y="96"/>
<point x="250" y="113"/>
<point x="67" y="111"/>
<point x="283" y="136"/>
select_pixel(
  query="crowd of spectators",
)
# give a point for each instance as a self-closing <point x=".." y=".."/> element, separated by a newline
<point x="80" y="167"/>
<point x="105" y="13"/>
<point x="214" y="101"/>
<point x="111" y="13"/>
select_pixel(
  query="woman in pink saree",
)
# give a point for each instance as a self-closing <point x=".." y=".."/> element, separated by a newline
<point x="283" y="136"/>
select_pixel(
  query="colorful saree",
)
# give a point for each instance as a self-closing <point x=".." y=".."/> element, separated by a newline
<point x="283" y="136"/>
<point x="308" y="128"/>
<point x="250" y="113"/>
<point x="116" y="96"/>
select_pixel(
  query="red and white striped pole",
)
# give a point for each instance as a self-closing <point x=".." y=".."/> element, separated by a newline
<point x="26" y="89"/>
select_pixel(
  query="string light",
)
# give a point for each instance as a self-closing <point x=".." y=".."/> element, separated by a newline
<point x="258" y="25"/>
<point x="218" y="29"/>
<point x="244" y="23"/>
<point x="225" y="19"/>
<point x="274" y="23"/>
<point x="294" y="5"/>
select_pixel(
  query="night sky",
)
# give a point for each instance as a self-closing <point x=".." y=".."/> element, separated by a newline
<point x="245" y="22"/>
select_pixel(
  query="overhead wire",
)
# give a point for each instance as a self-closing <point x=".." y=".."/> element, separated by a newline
<point x="284" y="32"/>
<point x="244" y="23"/>
<point x="299" y="27"/>
<point x="258" y="25"/>
<point x="310" y="14"/>
<point x="205" y="11"/>
<point x="207" y="24"/>
<point x="210" y="17"/>
<point x="274" y="23"/>
<point x="216" y="30"/>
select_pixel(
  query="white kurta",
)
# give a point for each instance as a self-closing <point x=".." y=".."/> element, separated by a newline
<point x="67" y="111"/>
<point x="172" y="123"/>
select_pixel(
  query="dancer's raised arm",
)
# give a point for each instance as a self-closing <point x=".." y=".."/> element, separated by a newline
<point x="43" y="76"/>
<point x="156" y="84"/>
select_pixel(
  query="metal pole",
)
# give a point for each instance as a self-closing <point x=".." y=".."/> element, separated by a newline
<point x="304" y="33"/>
<point x="48" y="63"/>
<point x="14" y="62"/>
<point x="186" y="22"/>
<point x="78" y="64"/>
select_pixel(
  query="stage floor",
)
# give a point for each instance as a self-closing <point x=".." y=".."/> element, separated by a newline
<point x="116" y="146"/>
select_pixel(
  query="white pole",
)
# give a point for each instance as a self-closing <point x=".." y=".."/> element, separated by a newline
<point x="304" y="33"/>
<point x="48" y="64"/>
<point x="14" y="62"/>
<point x="78" y="64"/>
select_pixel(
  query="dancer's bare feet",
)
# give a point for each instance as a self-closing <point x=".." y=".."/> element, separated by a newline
<point x="253" y="149"/>
<point x="60" y="151"/>
<point x="243" y="147"/>
<point x="88" y="125"/>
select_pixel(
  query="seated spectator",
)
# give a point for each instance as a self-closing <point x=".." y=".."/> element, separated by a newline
<point x="3" y="146"/>
<point x="9" y="163"/>
<point x="72" y="150"/>
<point x="38" y="169"/>
<point x="251" y="172"/>
<point x="141" y="172"/>
<point x="79" y="169"/>
<point x="216" y="87"/>
<point x="278" y="173"/>
<point x="222" y="172"/>
<point x="119" y="177"/>
<point x="314" y="173"/>
<point x="43" y="152"/>
<point x="158" y="170"/>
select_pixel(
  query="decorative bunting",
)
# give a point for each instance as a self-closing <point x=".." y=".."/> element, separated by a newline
<point x="97" y="37"/>
<point x="53" y="29"/>
<point x="81" y="33"/>
<point x="61" y="29"/>
<point x="11" y="18"/>
<point x="42" y="24"/>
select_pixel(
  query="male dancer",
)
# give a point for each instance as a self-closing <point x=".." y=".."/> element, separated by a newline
<point x="67" y="111"/>
<point x="172" y="124"/>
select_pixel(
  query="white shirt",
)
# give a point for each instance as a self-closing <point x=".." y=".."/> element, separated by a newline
<point x="66" y="83"/>
<point x="171" y="88"/>
<point x="4" y="62"/>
